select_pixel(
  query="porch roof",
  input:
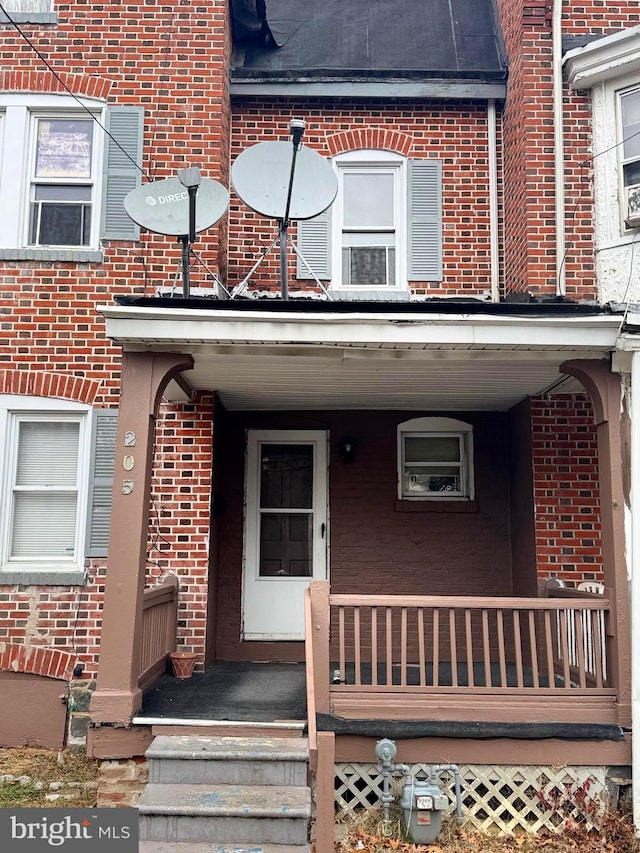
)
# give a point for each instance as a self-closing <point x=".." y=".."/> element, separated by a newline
<point x="298" y="356"/>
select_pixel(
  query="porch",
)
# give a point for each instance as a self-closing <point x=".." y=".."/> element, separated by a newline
<point x="490" y="662"/>
<point x="463" y="658"/>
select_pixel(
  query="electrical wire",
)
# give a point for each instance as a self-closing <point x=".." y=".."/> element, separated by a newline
<point x="627" y="288"/>
<point x="45" y="61"/>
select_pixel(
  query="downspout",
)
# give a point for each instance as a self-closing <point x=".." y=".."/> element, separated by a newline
<point x="635" y="585"/>
<point x="558" y="147"/>
<point x="493" y="200"/>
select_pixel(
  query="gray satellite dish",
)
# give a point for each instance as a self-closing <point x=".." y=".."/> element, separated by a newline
<point x="261" y="177"/>
<point x="163" y="206"/>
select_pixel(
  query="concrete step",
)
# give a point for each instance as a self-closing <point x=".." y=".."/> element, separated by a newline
<point x="225" y="814"/>
<point x="228" y="760"/>
<point x="205" y="847"/>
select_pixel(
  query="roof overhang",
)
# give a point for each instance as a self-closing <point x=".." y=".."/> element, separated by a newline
<point x="603" y="59"/>
<point x="366" y="90"/>
<point x="271" y="359"/>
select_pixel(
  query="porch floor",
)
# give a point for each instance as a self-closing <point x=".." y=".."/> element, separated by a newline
<point x="231" y="690"/>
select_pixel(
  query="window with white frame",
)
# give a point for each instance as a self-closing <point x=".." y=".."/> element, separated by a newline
<point x="45" y="483"/>
<point x="383" y="230"/>
<point x="369" y="221"/>
<point x="629" y="111"/>
<point x="28" y="11"/>
<point x="29" y="6"/>
<point x="435" y="459"/>
<point x="62" y="180"/>
<point x="56" y="476"/>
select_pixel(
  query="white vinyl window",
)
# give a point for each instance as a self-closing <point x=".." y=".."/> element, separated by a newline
<point x="45" y="484"/>
<point x="28" y="6"/>
<point x="370" y="221"/>
<point x="62" y="181"/>
<point x="50" y="174"/>
<point x="435" y="459"/>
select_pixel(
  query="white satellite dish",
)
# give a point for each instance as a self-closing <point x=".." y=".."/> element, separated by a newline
<point x="285" y="184"/>
<point x="261" y="177"/>
<point x="163" y="206"/>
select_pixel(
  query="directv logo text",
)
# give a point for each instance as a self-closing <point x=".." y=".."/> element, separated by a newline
<point x="167" y="199"/>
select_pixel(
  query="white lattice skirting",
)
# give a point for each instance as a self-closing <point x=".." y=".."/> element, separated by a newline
<point x="494" y="799"/>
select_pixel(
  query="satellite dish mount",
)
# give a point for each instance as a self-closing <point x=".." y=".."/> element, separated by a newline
<point x="265" y="178"/>
<point x="189" y="178"/>
<point x="296" y="129"/>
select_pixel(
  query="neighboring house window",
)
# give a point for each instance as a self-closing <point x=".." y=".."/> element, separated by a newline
<point x="36" y="11"/>
<point x="435" y="459"/>
<point x="62" y="179"/>
<point x="28" y="5"/>
<point x="382" y="231"/>
<point x="49" y="487"/>
<point x="630" y="134"/>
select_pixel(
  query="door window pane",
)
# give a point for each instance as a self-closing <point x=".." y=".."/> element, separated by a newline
<point x="285" y="545"/>
<point x="286" y="476"/>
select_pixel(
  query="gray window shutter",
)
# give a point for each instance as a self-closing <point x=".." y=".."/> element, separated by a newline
<point x="125" y="124"/>
<point x="103" y="448"/>
<point x="425" y="220"/>
<point x="314" y="244"/>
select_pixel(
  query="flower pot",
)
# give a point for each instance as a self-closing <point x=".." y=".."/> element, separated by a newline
<point x="183" y="663"/>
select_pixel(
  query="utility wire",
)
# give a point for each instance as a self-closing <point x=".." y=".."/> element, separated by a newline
<point x="46" y="62"/>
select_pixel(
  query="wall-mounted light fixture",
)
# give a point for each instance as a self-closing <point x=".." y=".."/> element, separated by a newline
<point x="347" y="449"/>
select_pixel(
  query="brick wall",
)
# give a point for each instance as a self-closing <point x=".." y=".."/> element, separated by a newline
<point x="172" y="61"/>
<point x="454" y="132"/>
<point x="373" y="547"/>
<point x="567" y="495"/>
<point x="529" y="208"/>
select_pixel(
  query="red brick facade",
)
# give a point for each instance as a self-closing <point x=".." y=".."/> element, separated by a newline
<point x="567" y="494"/>
<point x="174" y="61"/>
<point x="456" y="133"/>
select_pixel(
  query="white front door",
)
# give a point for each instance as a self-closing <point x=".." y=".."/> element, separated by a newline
<point x="285" y="529"/>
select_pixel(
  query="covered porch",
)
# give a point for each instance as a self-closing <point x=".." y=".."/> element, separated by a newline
<point x="402" y="639"/>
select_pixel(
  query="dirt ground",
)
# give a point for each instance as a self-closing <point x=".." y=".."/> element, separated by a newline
<point x="39" y="777"/>
<point x="614" y="836"/>
<point x="42" y="777"/>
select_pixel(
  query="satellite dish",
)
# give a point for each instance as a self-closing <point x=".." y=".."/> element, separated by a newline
<point x="261" y="177"/>
<point x="163" y="206"/>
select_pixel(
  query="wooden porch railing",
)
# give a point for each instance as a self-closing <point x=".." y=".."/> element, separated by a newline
<point x="548" y="651"/>
<point x="159" y="619"/>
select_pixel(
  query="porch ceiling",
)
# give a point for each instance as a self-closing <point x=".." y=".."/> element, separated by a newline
<point x="284" y="361"/>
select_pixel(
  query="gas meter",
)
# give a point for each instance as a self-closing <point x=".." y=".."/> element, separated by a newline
<point x="422" y="804"/>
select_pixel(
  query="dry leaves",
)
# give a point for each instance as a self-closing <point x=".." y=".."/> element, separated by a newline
<point x="615" y="836"/>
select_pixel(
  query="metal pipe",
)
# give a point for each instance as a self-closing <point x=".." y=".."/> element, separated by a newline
<point x="185" y="265"/>
<point x="283" y="258"/>
<point x="493" y="201"/>
<point x="558" y="147"/>
<point x="635" y="585"/>
<point x="436" y="768"/>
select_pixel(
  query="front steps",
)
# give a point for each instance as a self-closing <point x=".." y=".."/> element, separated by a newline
<point x="237" y="793"/>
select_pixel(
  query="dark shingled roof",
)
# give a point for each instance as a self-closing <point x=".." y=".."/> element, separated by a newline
<point x="369" y="39"/>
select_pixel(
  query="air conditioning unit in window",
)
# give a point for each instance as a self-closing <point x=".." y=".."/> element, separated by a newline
<point x="632" y="219"/>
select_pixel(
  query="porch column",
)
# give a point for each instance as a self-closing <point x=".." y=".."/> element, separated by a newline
<point x="145" y="375"/>
<point x="605" y="391"/>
